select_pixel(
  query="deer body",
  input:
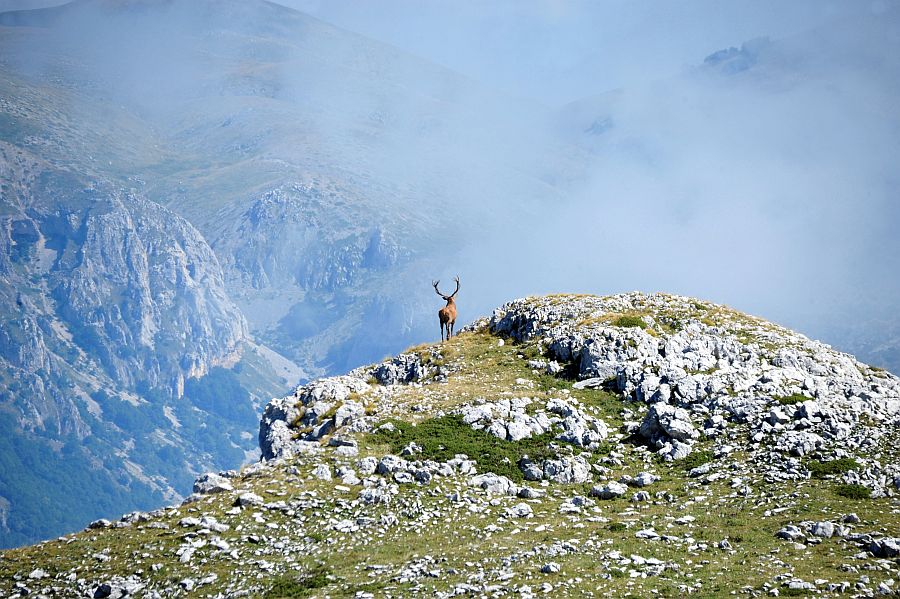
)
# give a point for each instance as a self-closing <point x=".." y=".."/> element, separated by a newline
<point x="447" y="314"/>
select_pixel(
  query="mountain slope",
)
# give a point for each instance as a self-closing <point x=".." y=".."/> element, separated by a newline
<point x="569" y="485"/>
<point x="114" y="312"/>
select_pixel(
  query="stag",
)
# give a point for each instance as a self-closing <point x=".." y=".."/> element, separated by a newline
<point x="447" y="314"/>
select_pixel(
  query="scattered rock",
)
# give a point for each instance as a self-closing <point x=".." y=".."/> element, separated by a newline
<point x="609" y="491"/>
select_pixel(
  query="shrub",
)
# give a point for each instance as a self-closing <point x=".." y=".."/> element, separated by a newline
<point x="630" y="321"/>
<point x="853" y="491"/>
<point x="617" y="526"/>
<point x="444" y="437"/>
<point x="697" y="458"/>
<point x="820" y="469"/>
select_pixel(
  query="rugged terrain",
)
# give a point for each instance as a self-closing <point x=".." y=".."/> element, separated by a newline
<point x="568" y="446"/>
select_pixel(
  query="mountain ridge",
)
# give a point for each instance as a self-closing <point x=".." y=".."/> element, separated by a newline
<point x="550" y="475"/>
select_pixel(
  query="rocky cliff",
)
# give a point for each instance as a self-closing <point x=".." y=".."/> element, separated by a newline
<point x="112" y="305"/>
<point x="574" y="445"/>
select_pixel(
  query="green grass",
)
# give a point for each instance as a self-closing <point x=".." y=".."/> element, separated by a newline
<point x="819" y="469"/>
<point x="443" y="437"/>
<point x="853" y="491"/>
<point x="789" y="400"/>
<point x="630" y="321"/>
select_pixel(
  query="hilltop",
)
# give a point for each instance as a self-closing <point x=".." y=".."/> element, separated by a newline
<point x="567" y="445"/>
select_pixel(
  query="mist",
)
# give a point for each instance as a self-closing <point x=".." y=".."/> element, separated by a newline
<point x="537" y="147"/>
<point x="764" y="178"/>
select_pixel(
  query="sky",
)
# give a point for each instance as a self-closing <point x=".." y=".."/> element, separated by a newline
<point x="557" y="51"/>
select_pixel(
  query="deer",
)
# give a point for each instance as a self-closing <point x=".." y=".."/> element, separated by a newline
<point x="447" y="314"/>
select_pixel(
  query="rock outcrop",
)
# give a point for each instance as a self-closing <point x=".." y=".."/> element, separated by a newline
<point x="701" y="365"/>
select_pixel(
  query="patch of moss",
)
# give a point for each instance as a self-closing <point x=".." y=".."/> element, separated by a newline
<point x="285" y="587"/>
<point x="819" y="469"/>
<point x="853" y="491"/>
<point x="697" y="458"/>
<point x="789" y="400"/>
<point x="630" y="321"/>
<point x="444" y="437"/>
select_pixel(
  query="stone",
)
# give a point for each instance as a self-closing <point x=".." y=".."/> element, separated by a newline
<point x="567" y="470"/>
<point x="348" y="412"/>
<point x="822" y="529"/>
<point x="391" y="463"/>
<point x="367" y="466"/>
<point x="494" y="484"/>
<point x="550" y="568"/>
<point x="248" y="499"/>
<point x="885" y="548"/>
<point x="322" y="472"/>
<point x="212" y="483"/>
<point x="530" y="493"/>
<point x="609" y="491"/>
<point x="520" y="510"/>
<point x="516" y="431"/>
<point x="790" y="533"/>
<point x="645" y="479"/>
<point x="531" y="470"/>
<point x="377" y="495"/>
<point x="402" y="369"/>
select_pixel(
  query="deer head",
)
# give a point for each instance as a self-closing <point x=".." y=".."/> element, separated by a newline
<point x="447" y="298"/>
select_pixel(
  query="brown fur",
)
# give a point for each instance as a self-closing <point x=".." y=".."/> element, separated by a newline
<point x="447" y="314"/>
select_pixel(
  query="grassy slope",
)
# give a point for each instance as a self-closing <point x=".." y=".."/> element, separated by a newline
<point x="472" y="541"/>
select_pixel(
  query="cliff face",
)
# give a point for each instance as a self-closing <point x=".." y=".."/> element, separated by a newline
<point x="636" y="444"/>
<point x="111" y="303"/>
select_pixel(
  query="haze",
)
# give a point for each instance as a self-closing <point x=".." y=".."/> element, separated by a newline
<point x="771" y="188"/>
<point x="589" y="148"/>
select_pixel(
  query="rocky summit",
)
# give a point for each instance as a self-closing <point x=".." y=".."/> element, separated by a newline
<point x="631" y="445"/>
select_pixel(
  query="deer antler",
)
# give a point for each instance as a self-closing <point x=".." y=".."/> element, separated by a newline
<point x="438" y="291"/>
<point x="456" y="278"/>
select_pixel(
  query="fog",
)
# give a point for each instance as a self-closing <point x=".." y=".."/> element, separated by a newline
<point x="767" y="181"/>
<point x="770" y="185"/>
<point x="590" y="147"/>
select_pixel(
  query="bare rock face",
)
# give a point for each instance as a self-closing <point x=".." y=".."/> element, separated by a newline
<point x="700" y="365"/>
<point x="113" y="304"/>
<point x="297" y="422"/>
